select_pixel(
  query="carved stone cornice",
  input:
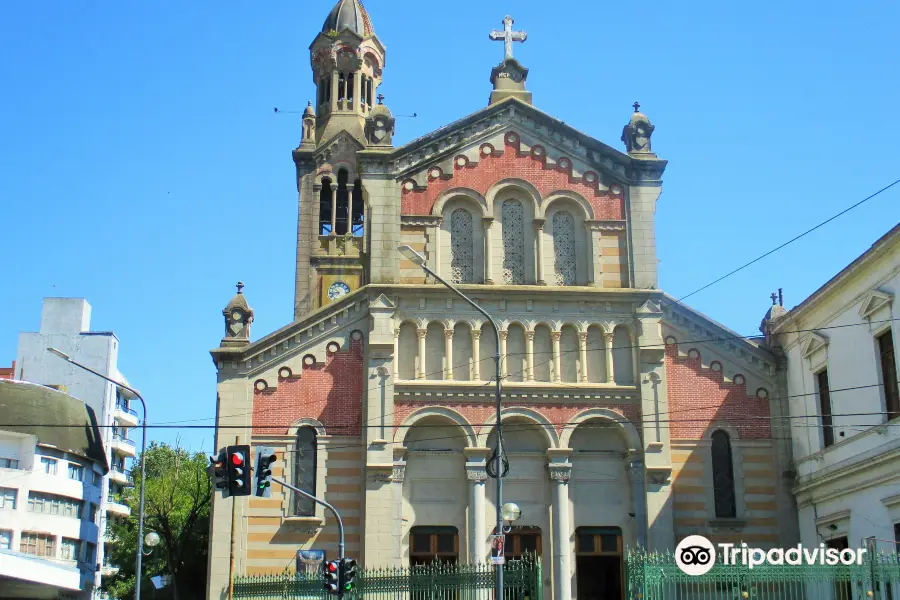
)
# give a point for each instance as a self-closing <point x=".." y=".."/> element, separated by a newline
<point x="421" y="220"/>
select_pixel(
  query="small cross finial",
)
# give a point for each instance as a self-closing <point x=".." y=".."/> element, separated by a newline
<point x="774" y="298"/>
<point x="637" y="106"/>
<point x="240" y="286"/>
<point x="380" y="98"/>
<point x="508" y="36"/>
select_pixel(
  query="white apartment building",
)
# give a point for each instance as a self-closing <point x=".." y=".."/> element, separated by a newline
<point x="844" y="402"/>
<point x="65" y="325"/>
<point x="51" y="490"/>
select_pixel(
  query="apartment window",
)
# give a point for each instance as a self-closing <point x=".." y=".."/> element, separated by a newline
<point x="50" y="504"/>
<point x="37" y="544"/>
<point x="93" y="512"/>
<point x="97" y="477"/>
<point x="76" y="472"/>
<point x="9" y="463"/>
<point x="8" y="498"/>
<point x="723" y="476"/>
<point x="825" y="407"/>
<point x="48" y="465"/>
<point x="90" y="553"/>
<point x="5" y="539"/>
<point x="433" y="544"/>
<point x="69" y="549"/>
<point x="889" y="375"/>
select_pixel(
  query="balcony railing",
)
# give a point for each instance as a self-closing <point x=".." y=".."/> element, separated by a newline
<point x="125" y="409"/>
<point x="128" y="477"/>
<point x="126" y="441"/>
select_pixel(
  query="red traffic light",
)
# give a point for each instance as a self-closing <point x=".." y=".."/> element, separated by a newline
<point x="237" y="458"/>
<point x="332" y="568"/>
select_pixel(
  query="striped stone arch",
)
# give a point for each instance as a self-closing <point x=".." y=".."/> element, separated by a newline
<point x="435" y="411"/>
<point x="629" y="432"/>
<point x="528" y="414"/>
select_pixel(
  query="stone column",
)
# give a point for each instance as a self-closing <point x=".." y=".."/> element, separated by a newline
<point x="539" y="259"/>
<point x="503" y="336"/>
<point x="420" y="372"/>
<point x="476" y="358"/>
<point x="529" y="356"/>
<point x="589" y="253"/>
<point x="488" y="251"/>
<point x="557" y="365"/>
<point x="357" y="90"/>
<point x="334" y="98"/>
<point x="639" y="493"/>
<point x="562" y="573"/>
<point x="610" y="367"/>
<point x="448" y="354"/>
<point x="476" y="475"/>
<point x="582" y="352"/>
<point x="397" y="353"/>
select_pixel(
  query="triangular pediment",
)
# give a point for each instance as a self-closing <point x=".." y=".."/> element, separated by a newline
<point x="340" y="143"/>
<point x="382" y="302"/>
<point x="873" y="302"/>
<point x="557" y="142"/>
<point x="813" y="344"/>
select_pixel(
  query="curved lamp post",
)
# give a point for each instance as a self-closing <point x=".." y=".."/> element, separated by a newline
<point x="151" y="540"/>
<point x="140" y="549"/>
<point x="419" y="260"/>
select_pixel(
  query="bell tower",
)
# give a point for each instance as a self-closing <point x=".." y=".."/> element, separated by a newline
<point x="347" y="61"/>
<point x="333" y="228"/>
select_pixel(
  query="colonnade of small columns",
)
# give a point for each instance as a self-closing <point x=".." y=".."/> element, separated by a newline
<point x="529" y="374"/>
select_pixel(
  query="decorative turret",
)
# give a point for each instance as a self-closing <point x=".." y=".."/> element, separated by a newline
<point x="380" y="125"/>
<point x="775" y="312"/>
<point x="238" y="316"/>
<point x="636" y="134"/>
<point x="509" y="76"/>
<point x="347" y="61"/>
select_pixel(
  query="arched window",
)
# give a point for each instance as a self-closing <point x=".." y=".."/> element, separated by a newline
<point x="723" y="476"/>
<point x="357" y="212"/>
<point x="305" y="471"/>
<point x="342" y="206"/>
<point x="513" y="224"/>
<point x="564" y="248"/>
<point x="325" y="201"/>
<point x="461" y="246"/>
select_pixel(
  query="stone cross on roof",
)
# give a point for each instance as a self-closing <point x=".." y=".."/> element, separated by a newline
<point x="240" y="286"/>
<point x="637" y="106"/>
<point x="774" y="298"/>
<point x="508" y="36"/>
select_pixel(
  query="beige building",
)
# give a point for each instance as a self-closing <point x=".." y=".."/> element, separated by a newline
<point x="844" y="403"/>
<point x="624" y="424"/>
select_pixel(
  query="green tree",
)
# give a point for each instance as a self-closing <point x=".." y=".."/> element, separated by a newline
<point x="176" y="502"/>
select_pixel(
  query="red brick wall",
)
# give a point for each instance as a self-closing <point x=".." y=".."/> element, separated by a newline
<point x="480" y="413"/>
<point x="512" y="163"/>
<point x="330" y="392"/>
<point x="699" y="396"/>
<point x="8" y="373"/>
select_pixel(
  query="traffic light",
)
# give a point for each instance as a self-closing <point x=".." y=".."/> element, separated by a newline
<point x="347" y="575"/>
<point x="264" y="459"/>
<point x="332" y="577"/>
<point x="218" y="472"/>
<point x="238" y="470"/>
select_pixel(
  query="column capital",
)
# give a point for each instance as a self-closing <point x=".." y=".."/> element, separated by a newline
<point x="422" y="332"/>
<point x="399" y="472"/>
<point x="397" y="333"/>
<point x="476" y="472"/>
<point x="448" y="333"/>
<point x="560" y="472"/>
<point x="476" y="334"/>
<point x="582" y="336"/>
<point x="488" y="221"/>
<point x="555" y="335"/>
<point x="529" y="336"/>
<point x="608" y="336"/>
<point x="503" y="335"/>
<point x="539" y="223"/>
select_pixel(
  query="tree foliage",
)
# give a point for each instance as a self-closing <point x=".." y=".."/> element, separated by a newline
<point x="177" y="501"/>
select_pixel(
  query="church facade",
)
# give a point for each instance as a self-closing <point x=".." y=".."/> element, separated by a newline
<point x="629" y="419"/>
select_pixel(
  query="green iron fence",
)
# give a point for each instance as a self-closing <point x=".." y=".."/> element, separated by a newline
<point x="653" y="576"/>
<point x="437" y="581"/>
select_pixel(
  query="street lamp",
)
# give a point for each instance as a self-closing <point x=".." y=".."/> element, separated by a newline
<point x="419" y="260"/>
<point x="151" y="540"/>
<point x="140" y="549"/>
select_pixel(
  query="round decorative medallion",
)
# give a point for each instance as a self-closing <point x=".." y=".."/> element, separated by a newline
<point x="337" y="290"/>
<point x="487" y="149"/>
<point x="309" y="360"/>
<point x="739" y="380"/>
<point x="333" y="347"/>
<point x="694" y="353"/>
<point x="461" y="161"/>
<point x="435" y="173"/>
<point x="762" y="393"/>
<point x="512" y="137"/>
<point x="616" y="189"/>
<point x="408" y="186"/>
<point x="236" y="315"/>
<point x="261" y="385"/>
<point x="715" y="366"/>
<point x="285" y="372"/>
<point x="356" y="335"/>
<point x="590" y="177"/>
<point x="565" y="164"/>
<point x="537" y="151"/>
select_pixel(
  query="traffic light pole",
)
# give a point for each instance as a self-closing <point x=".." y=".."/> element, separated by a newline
<point x="340" y="523"/>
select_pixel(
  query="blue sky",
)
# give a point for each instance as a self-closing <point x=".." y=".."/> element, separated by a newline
<point x="142" y="165"/>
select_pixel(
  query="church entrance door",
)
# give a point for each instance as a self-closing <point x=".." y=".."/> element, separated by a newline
<point x="599" y="566"/>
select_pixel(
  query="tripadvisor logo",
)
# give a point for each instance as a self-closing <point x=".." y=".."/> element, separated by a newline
<point x="695" y="555"/>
